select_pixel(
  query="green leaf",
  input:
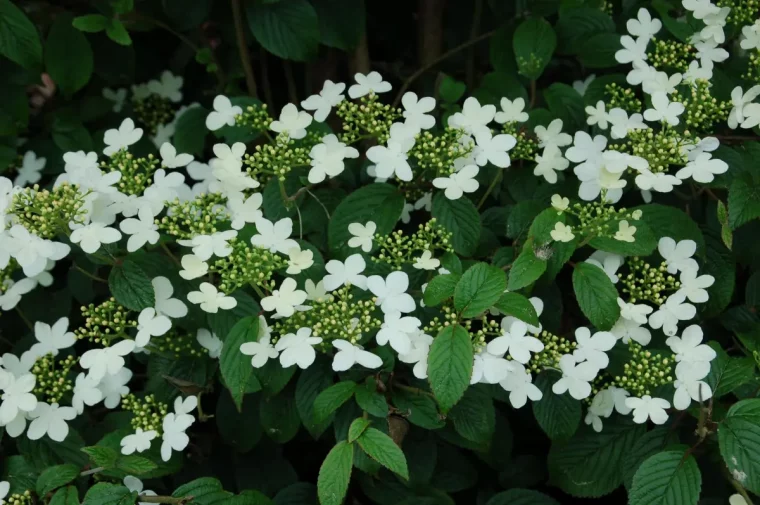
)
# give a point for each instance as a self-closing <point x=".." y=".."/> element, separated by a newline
<point x="474" y="416"/>
<point x="235" y="366"/>
<point x="371" y="401"/>
<point x="650" y="444"/>
<point x="198" y="488"/>
<point x="680" y="29"/>
<point x="667" y="221"/>
<point x="273" y="377"/>
<point x="450" y="365"/>
<point x="479" y="288"/>
<point x="289" y="29"/>
<point x="357" y="427"/>
<point x="69" y="134"/>
<point x="380" y="203"/>
<point x="578" y="24"/>
<point x="743" y="200"/>
<point x="279" y="417"/>
<point x="223" y="321"/>
<point x="135" y="465"/>
<point x="596" y="295"/>
<point x="341" y="22"/>
<point x="186" y="15"/>
<point x="65" y="496"/>
<point x="335" y="474"/>
<point x="645" y="242"/>
<point x="419" y="409"/>
<point x="521" y="497"/>
<point x="19" y="41"/>
<point x="109" y="494"/>
<point x="384" y="450"/>
<point x="590" y="463"/>
<point x="727" y="373"/>
<point x="190" y="131"/>
<point x="91" y="23"/>
<point x="311" y="382"/>
<point x="598" y="51"/>
<point x="239" y="429"/>
<point x="558" y="415"/>
<point x="330" y="400"/>
<point x="102" y="456"/>
<point x="461" y="218"/>
<point x="526" y="269"/>
<point x="44" y="453"/>
<point x="55" y="477"/>
<point x="450" y="89"/>
<point x="722" y="266"/>
<point x="19" y="474"/>
<point x="567" y="104"/>
<point x="440" y="288"/>
<point x="516" y="305"/>
<point x="739" y="440"/>
<point x="534" y="42"/>
<point x="68" y="56"/>
<point x="523" y="217"/>
<point x="725" y="229"/>
<point x="118" y="33"/>
<point x="131" y="287"/>
<point x="667" y="478"/>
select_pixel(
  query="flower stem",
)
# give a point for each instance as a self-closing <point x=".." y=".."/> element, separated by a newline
<point x="496" y="178"/>
<point x="88" y="274"/>
<point x="245" y="57"/>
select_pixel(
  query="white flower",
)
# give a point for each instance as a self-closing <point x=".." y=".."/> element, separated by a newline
<point x="673" y="310"/>
<point x="17" y="396"/>
<point x="274" y="236"/>
<point x="576" y="377"/>
<point x="284" y="300"/>
<point x="50" y="340"/>
<point x="627" y="330"/>
<point x="696" y="72"/>
<point x="548" y="162"/>
<point x="586" y="148"/>
<point x="165" y="187"/>
<point x="597" y="115"/>
<point x="210" y="299"/>
<point x="118" y="98"/>
<point x="291" y="122"/>
<point x="193" y="267"/>
<point x="362" y="235"/>
<point x="538" y="306"/>
<point x="426" y="261"/>
<point x="322" y="103"/>
<point x="349" y="354"/>
<point x="242" y="212"/>
<point x="632" y="312"/>
<point x="703" y="169"/>
<point x="174" y="436"/>
<point x="593" y="348"/>
<point x="114" y="387"/>
<point x="165" y="304"/>
<point x="139" y="441"/>
<point x="693" y="287"/>
<point x="582" y="86"/>
<point x="297" y="348"/>
<point x="418" y="354"/>
<point x="299" y="260"/>
<point x="640" y="74"/>
<point x="489" y="368"/>
<point x="416" y="111"/>
<point x="142" y="230"/>
<point x="560" y="203"/>
<point x="645" y="26"/>
<point x="740" y="100"/>
<point x="170" y="158"/>
<point x="18" y="366"/>
<point x="625" y="232"/>
<point x="664" y="110"/>
<point x="315" y="292"/>
<point x="229" y="159"/>
<point x="622" y="123"/>
<point x="700" y="8"/>
<point x="30" y="170"/>
<point x="737" y="499"/>
<point x="633" y="49"/>
<point x="474" y="117"/>
<point x="365" y="84"/>
<point x="261" y="350"/>
<point x="50" y="420"/>
<point x="108" y="360"/>
<point x="391" y="292"/>
<point x="713" y="31"/>
<point x="210" y="342"/>
<point x="135" y="485"/>
<point x="493" y="149"/>
<point x="562" y="233"/>
<point x="398" y="331"/>
<point x="609" y="262"/>
<point x="458" y="183"/>
<point x="150" y="324"/>
<point x="678" y="256"/>
<point x="122" y="138"/>
<point x="223" y="114"/>
<point x="511" y="111"/>
<point x="216" y="244"/>
<point x="689" y="384"/>
<point x="689" y="346"/>
<point x="92" y="235"/>
<point x="709" y="53"/>
<point x="660" y="181"/>
<point x="552" y="135"/>
<point x="601" y="406"/>
<point x="169" y="86"/>
<point x="327" y="158"/>
<point x="660" y="82"/>
<point x="344" y="273"/>
<point x="391" y="160"/>
<point x="32" y="252"/>
<point x="647" y="407"/>
<point x="751" y="37"/>
<point x="752" y="113"/>
<point x="516" y="343"/>
<point x="520" y="385"/>
<point x="86" y="392"/>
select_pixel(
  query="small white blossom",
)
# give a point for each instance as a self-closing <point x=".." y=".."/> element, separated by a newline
<point x="664" y="110"/>
<point x="17" y="396"/>
<point x="633" y="49"/>
<point x="693" y="287"/>
<point x="86" y="392"/>
<point x="297" y="348"/>
<point x="362" y="235"/>
<point x="458" y="183"/>
<point x="365" y="84"/>
<point x="165" y="304"/>
<point x="689" y="346"/>
<point x="210" y="342"/>
<point x="223" y="114"/>
<point x="139" y="441"/>
<point x="593" y="349"/>
<point x="327" y="158"/>
<point x="562" y="233"/>
<point x="418" y="354"/>
<point x="108" y="360"/>
<point x="426" y="261"/>
<point x="142" y="230"/>
<point x="474" y="117"/>
<point x="392" y="159"/>
<point x="489" y="368"/>
<point x="274" y="236"/>
<point x="245" y="211"/>
<point x="206" y="246"/>
<point x="703" y="168"/>
<point x="689" y="384"/>
<point x="627" y="330"/>
<point x="644" y="26"/>
<point x="576" y="377"/>
<point x="91" y="236"/>
<point x="121" y="138"/>
<point x="114" y="387"/>
<point x="494" y="149"/>
<point x="391" y="292"/>
<point x="597" y="115"/>
<point x="192" y="267"/>
<point x="519" y="383"/>
<point x="174" y="437"/>
<point x="345" y="273"/>
<point x="516" y="342"/>
<point x="678" y="256"/>
<point x="552" y="135"/>
<point x="30" y="171"/>
<point x="150" y="324"/>
<point x="349" y="354"/>
<point x="50" y="420"/>
<point x="262" y="350"/>
<point x="740" y="100"/>
<point x="633" y="312"/>
<point x="51" y="339"/>
<point x="291" y="122"/>
<point x="549" y="162"/>
<point x="673" y="310"/>
<point x="560" y="203"/>
<point x="315" y="292"/>
<point x="398" y="331"/>
<point x="284" y="300"/>
<point x="299" y="260"/>
<point x="647" y="407"/>
<point x="625" y="232"/>
<point x="609" y="262"/>
<point x="210" y="299"/>
<point x="118" y="97"/>
<point x="323" y="102"/>
<point x="513" y="110"/>
<point x="417" y="111"/>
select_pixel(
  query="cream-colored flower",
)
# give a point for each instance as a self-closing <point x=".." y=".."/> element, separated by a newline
<point x="562" y="233"/>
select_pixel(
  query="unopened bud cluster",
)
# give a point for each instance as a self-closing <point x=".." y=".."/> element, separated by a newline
<point x="702" y="109"/>
<point x="53" y="377"/>
<point x="367" y="118"/>
<point x="753" y="67"/>
<point x="435" y="152"/>
<point x="646" y="282"/>
<point x="247" y="265"/>
<point x="671" y="55"/>
<point x="554" y="348"/>
<point x="24" y="498"/>
<point x="176" y="345"/>
<point x="622" y="97"/>
<point x="199" y="216"/>
<point x="645" y="371"/>
<point x="280" y="157"/>
<point x="255" y="117"/>
<point x="136" y="173"/>
<point x="48" y="213"/>
<point x="599" y="219"/>
<point x="148" y="413"/>
<point x="399" y="249"/>
<point x="104" y="322"/>
<point x="152" y="111"/>
<point x="742" y="11"/>
<point x="660" y="148"/>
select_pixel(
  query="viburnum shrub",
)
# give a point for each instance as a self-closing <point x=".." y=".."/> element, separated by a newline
<point x="398" y="301"/>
